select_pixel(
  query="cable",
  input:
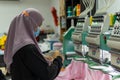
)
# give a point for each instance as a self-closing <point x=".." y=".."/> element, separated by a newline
<point x="87" y="3"/>
<point x="90" y="7"/>
<point x="84" y="3"/>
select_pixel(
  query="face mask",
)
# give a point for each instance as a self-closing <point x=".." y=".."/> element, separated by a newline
<point x="37" y="32"/>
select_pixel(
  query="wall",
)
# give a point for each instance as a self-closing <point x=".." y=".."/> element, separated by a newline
<point x="9" y="9"/>
<point x="115" y="7"/>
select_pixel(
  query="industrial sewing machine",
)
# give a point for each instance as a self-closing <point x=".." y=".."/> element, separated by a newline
<point x="95" y="39"/>
<point x="114" y="42"/>
<point x="79" y="35"/>
<point x="81" y="29"/>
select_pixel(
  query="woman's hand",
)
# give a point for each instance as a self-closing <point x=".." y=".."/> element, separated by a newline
<point x="52" y="55"/>
<point x="57" y="53"/>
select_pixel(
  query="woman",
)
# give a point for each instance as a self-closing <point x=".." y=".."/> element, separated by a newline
<point x="23" y="58"/>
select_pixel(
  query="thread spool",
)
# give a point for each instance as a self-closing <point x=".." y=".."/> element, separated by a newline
<point x="78" y="7"/>
<point x="69" y="11"/>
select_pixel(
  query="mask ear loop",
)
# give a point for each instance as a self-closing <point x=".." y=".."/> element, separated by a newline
<point x="25" y="13"/>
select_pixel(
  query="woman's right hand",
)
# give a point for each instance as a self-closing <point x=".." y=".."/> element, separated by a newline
<point x="57" y="53"/>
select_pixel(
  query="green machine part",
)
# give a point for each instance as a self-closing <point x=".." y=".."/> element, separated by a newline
<point x="68" y="45"/>
<point x="84" y="44"/>
<point x="105" y="37"/>
<point x="103" y="42"/>
<point x="103" y="46"/>
<point x="84" y="34"/>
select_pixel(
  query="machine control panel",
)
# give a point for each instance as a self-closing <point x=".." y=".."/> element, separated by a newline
<point x="97" y="25"/>
<point x="81" y="26"/>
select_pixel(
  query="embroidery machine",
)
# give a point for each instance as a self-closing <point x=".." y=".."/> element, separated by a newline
<point x="81" y="29"/>
<point x="97" y="36"/>
<point x="114" y="42"/>
<point x="100" y="24"/>
<point x="79" y="35"/>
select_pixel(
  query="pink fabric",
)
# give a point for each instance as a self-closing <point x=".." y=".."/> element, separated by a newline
<point x="79" y="71"/>
<point x="75" y="70"/>
<point x="96" y="75"/>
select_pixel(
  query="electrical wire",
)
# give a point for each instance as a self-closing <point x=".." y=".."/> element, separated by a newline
<point x="84" y="3"/>
<point x="89" y="4"/>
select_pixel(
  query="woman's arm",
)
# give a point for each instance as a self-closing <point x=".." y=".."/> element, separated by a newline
<point x="33" y="60"/>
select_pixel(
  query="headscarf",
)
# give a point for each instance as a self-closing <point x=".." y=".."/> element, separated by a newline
<point x="21" y="33"/>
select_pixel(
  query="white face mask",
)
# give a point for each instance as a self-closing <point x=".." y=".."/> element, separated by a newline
<point x="36" y="33"/>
